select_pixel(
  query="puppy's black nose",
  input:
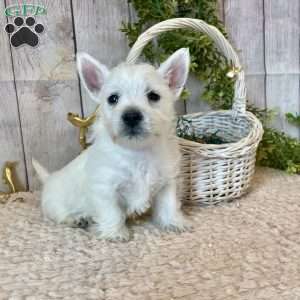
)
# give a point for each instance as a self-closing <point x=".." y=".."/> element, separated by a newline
<point x="132" y="117"/>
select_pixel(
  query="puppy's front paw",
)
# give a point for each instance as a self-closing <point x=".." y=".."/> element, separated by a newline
<point x="178" y="224"/>
<point x="117" y="235"/>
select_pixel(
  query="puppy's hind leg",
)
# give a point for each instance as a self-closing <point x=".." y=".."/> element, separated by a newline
<point x="167" y="212"/>
<point x="78" y="221"/>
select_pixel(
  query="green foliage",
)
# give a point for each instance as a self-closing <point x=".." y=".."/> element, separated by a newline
<point x="276" y="150"/>
<point x="207" y="63"/>
<point x="185" y="130"/>
<point x="279" y="151"/>
<point x="293" y="119"/>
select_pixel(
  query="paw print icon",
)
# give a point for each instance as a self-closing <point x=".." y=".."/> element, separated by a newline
<point x="24" y="31"/>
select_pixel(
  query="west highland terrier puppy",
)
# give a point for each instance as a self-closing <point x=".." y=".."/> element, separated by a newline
<point x="133" y="163"/>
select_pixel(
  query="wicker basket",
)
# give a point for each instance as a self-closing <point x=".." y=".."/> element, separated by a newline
<point x="214" y="173"/>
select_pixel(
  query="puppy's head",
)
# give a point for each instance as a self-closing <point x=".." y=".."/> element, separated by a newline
<point x="137" y="101"/>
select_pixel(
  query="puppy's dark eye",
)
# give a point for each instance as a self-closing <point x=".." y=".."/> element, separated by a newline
<point x="152" y="96"/>
<point x="113" y="99"/>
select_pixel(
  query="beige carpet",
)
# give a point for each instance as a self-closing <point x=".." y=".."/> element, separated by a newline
<point x="249" y="249"/>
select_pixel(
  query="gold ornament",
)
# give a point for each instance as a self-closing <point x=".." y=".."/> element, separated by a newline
<point x="83" y="124"/>
<point x="233" y="71"/>
<point x="10" y="178"/>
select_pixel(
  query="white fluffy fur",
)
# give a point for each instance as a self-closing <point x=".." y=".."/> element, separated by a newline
<point x="118" y="176"/>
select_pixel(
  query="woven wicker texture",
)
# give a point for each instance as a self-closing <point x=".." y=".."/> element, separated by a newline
<point x="214" y="173"/>
<point x="246" y="250"/>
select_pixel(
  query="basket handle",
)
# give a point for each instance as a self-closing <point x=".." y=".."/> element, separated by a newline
<point x="239" y="101"/>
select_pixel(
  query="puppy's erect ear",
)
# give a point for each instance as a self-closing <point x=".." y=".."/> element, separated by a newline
<point x="92" y="74"/>
<point x="175" y="70"/>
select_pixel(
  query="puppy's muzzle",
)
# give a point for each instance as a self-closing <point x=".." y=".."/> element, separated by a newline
<point x="132" y="119"/>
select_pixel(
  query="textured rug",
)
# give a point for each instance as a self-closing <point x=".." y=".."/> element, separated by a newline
<point x="249" y="249"/>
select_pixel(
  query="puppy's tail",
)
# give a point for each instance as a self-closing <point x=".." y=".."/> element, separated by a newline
<point x="43" y="174"/>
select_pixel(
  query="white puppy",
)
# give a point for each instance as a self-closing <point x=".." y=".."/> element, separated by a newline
<point x="134" y="161"/>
